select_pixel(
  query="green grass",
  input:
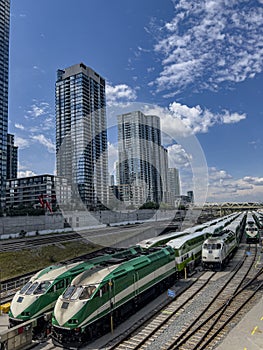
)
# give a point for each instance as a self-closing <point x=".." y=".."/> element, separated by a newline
<point x="19" y="262"/>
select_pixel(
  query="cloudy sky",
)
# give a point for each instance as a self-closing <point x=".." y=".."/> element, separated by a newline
<point x="197" y="64"/>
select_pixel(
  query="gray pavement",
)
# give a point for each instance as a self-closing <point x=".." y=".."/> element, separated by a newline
<point x="248" y="333"/>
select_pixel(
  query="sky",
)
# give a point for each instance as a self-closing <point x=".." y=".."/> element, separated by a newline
<point x="196" y="64"/>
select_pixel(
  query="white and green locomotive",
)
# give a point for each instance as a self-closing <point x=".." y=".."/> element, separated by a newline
<point x="41" y="292"/>
<point x="97" y="298"/>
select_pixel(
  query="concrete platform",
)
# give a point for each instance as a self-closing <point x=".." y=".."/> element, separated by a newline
<point x="4" y="322"/>
<point x="248" y="333"/>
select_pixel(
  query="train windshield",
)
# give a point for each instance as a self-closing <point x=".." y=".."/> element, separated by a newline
<point x="212" y="246"/>
<point x="38" y="288"/>
<point x="32" y="288"/>
<point x="25" y="288"/>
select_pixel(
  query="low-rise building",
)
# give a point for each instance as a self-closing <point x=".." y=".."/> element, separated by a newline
<point x="36" y="191"/>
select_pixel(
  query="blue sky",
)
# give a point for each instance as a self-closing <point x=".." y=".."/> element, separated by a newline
<point x="196" y="62"/>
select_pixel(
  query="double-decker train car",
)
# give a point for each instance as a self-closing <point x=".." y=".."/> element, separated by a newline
<point x="258" y="216"/>
<point x="97" y="298"/>
<point x="160" y="240"/>
<point x="251" y="229"/>
<point x="187" y="249"/>
<point x="40" y="293"/>
<point x="219" y="247"/>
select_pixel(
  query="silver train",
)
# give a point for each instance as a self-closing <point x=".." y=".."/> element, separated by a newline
<point x="251" y="229"/>
<point x="220" y="246"/>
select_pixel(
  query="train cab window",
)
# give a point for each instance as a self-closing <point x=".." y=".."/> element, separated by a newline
<point x="208" y="246"/>
<point x="218" y="246"/>
<point x="76" y="293"/>
<point x="68" y="292"/>
<point x="42" y="287"/>
<point x="87" y="292"/>
<point x="32" y="288"/>
<point x="25" y="288"/>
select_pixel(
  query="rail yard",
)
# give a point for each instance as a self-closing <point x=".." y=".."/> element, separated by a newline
<point x="179" y="303"/>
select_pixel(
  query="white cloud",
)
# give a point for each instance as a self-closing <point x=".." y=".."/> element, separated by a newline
<point x="256" y="181"/>
<point x="223" y="187"/>
<point x="45" y="142"/>
<point x="26" y="173"/>
<point x="230" y="118"/>
<point x="182" y="120"/>
<point x="210" y="42"/>
<point x="38" y="109"/>
<point x="121" y="92"/>
<point x="178" y="157"/>
<point x="19" y="126"/>
<point x="21" y="142"/>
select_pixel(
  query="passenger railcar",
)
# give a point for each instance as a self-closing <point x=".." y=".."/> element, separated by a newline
<point x="160" y="240"/>
<point x="187" y="249"/>
<point x="99" y="297"/>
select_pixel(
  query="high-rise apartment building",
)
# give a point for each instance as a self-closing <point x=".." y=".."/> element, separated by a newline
<point x="140" y="152"/>
<point x="11" y="170"/>
<point x="81" y="135"/>
<point x="173" y="184"/>
<point x="4" y="61"/>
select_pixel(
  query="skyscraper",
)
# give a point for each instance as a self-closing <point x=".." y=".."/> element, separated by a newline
<point x="4" y="61"/>
<point x="140" y="152"/>
<point x="173" y="184"/>
<point x="11" y="170"/>
<point x="81" y="135"/>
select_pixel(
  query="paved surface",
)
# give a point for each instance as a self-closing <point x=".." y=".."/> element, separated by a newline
<point x="4" y="322"/>
<point x="248" y="333"/>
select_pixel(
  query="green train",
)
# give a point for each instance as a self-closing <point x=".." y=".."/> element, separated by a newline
<point x="97" y="298"/>
<point x="188" y="249"/>
<point x="41" y="292"/>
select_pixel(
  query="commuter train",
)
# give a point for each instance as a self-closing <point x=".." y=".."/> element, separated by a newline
<point x="41" y="292"/>
<point x="219" y="247"/>
<point x="188" y="248"/>
<point x="211" y="226"/>
<point x="101" y="297"/>
<point x="251" y="229"/>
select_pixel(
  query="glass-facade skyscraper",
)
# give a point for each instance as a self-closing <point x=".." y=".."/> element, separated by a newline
<point x="11" y="170"/>
<point x="81" y="135"/>
<point x="4" y="62"/>
<point x="140" y="153"/>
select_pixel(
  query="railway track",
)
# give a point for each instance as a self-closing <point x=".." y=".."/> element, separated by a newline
<point x="193" y="331"/>
<point x="33" y="242"/>
<point x="213" y="322"/>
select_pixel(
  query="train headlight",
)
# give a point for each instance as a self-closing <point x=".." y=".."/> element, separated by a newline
<point x="73" y="321"/>
<point x="25" y="313"/>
